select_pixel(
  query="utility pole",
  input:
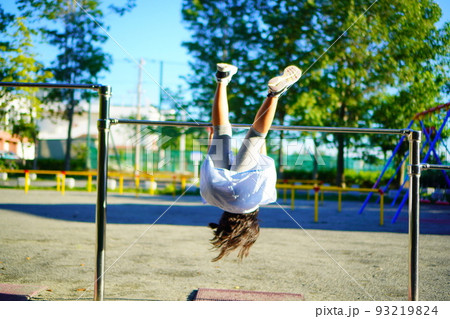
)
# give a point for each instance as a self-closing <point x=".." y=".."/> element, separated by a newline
<point x="138" y="117"/>
<point x="161" y="155"/>
<point x="161" y="71"/>
<point x="183" y="145"/>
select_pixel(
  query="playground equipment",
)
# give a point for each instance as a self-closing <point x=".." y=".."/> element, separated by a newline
<point x="61" y="176"/>
<point x="105" y="123"/>
<point x="432" y="142"/>
<point x="317" y="189"/>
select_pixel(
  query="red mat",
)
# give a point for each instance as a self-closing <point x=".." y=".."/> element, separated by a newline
<point x="11" y="292"/>
<point x="206" y="294"/>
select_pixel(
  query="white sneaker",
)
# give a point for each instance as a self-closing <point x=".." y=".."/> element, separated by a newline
<point x="280" y="84"/>
<point x="225" y="72"/>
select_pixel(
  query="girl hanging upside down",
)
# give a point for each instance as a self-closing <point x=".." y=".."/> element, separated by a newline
<point x="239" y="186"/>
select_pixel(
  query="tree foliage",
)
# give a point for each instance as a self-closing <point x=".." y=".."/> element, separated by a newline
<point x="367" y="64"/>
<point x="19" y="108"/>
<point x="74" y="28"/>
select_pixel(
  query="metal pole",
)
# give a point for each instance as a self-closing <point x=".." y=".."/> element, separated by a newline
<point x="435" y="167"/>
<point x="94" y="87"/>
<point x="103" y="125"/>
<point x="414" y="138"/>
<point x="273" y="127"/>
<point x="88" y="139"/>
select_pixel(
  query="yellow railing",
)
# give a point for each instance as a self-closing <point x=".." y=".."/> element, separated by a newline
<point x="61" y="178"/>
<point x="158" y="176"/>
<point x="299" y="182"/>
<point x="339" y="190"/>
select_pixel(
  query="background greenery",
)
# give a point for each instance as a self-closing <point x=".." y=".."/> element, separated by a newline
<point x="366" y="64"/>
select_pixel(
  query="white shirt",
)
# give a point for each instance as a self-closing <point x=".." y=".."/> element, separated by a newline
<point x="242" y="192"/>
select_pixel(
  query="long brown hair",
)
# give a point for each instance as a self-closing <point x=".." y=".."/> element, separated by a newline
<point x="233" y="231"/>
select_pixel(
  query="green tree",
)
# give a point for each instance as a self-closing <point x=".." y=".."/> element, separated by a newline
<point x="19" y="108"/>
<point x="372" y="75"/>
<point x="74" y="28"/>
<point x="364" y="62"/>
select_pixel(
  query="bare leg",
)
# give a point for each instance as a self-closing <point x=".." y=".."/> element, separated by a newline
<point x="255" y="140"/>
<point x="220" y="139"/>
<point x="220" y="114"/>
<point x="220" y="105"/>
<point x="266" y="113"/>
<point x="263" y="120"/>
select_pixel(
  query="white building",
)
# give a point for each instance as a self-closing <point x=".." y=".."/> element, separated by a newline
<point x="15" y="110"/>
<point x="53" y="131"/>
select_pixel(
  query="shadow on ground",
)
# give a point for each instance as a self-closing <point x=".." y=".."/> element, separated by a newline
<point x="433" y="221"/>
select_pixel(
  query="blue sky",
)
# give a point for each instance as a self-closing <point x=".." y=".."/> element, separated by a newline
<point x="153" y="31"/>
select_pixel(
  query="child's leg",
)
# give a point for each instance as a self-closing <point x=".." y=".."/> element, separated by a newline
<point x="220" y="114"/>
<point x="250" y="150"/>
<point x="220" y="105"/>
<point x="254" y="142"/>
<point x="266" y="113"/>
<point x="220" y="145"/>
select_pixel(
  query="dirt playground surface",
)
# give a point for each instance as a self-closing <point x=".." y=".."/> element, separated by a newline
<point x="48" y="239"/>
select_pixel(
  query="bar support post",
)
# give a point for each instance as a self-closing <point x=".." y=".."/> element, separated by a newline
<point x="414" y="170"/>
<point x="103" y="126"/>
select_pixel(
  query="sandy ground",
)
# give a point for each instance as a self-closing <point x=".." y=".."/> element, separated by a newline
<point x="170" y="261"/>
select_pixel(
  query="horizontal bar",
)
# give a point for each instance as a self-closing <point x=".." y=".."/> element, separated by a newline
<point x="435" y="166"/>
<point x="94" y="87"/>
<point x="328" y="188"/>
<point x="274" y="127"/>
